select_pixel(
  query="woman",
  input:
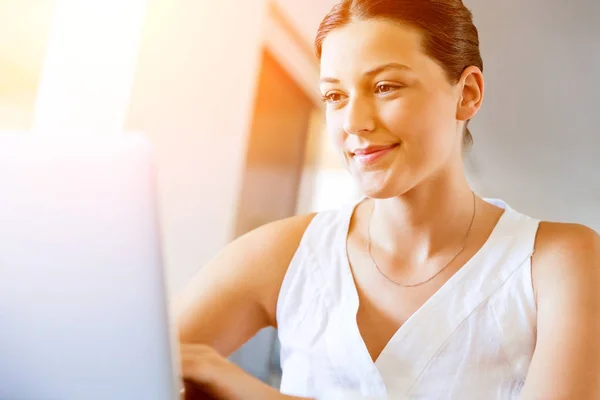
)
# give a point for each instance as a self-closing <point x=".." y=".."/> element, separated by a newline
<point x="422" y="289"/>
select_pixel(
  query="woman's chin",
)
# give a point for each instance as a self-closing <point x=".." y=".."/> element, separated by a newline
<point x="379" y="190"/>
<point x="383" y="184"/>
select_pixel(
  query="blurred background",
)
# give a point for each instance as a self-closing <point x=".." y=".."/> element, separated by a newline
<point x="227" y="91"/>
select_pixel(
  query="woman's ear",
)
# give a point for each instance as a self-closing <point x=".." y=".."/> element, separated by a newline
<point x="471" y="93"/>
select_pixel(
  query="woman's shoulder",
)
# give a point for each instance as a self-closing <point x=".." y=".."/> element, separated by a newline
<point x="565" y="254"/>
<point x="268" y="252"/>
<point x="288" y="232"/>
<point x="276" y="242"/>
<point x="273" y="243"/>
<point x="558" y="242"/>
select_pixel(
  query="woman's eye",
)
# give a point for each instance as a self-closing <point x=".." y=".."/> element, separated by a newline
<point x="332" y="97"/>
<point x="384" y="88"/>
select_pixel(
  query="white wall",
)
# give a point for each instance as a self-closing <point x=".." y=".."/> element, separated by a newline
<point x="193" y="95"/>
<point x="306" y="14"/>
<point x="86" y="80"/>
<point x="537" y="137"/>
<point x="24" y="27"/>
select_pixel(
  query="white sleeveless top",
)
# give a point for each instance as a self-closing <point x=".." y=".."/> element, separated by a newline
<point x="473" y="339"/>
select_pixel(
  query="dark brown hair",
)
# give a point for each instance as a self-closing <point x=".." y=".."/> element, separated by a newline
<point x="449" y="35"/>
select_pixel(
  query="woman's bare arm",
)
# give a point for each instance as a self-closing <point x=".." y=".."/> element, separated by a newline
<point x="235" y="294"/>
<point x="566" y="275"/>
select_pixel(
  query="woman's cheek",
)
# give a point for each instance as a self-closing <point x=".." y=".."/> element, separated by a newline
<point x="335" y="130"/>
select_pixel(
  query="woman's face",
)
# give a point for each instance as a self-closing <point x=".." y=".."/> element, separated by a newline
<point x="390" y="109"/>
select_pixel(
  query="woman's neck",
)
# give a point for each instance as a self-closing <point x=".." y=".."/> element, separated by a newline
<point x="427" y="220"/>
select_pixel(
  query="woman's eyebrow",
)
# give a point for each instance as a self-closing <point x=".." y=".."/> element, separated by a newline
<point x="371" y="72"/>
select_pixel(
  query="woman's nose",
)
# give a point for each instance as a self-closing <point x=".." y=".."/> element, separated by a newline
<point x="359" y="118"/>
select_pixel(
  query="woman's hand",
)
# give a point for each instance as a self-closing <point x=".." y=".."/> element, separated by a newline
<point x="219" y="378"/>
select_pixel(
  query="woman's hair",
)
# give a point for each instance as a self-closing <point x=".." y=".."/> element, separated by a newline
<point x="449" y="35"/>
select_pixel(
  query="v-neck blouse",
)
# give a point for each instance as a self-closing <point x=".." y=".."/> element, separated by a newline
<point x="473" y="339"/>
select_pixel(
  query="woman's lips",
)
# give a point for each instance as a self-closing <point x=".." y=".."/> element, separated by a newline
<point x="372" y="154"/>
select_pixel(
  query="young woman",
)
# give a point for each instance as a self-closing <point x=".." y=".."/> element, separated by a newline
<point x="422" y="289"/>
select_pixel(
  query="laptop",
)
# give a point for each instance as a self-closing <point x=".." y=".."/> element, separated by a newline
<point x="83" y="305"/>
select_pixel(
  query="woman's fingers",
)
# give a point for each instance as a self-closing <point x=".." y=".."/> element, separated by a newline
<point x="196" y="361"/>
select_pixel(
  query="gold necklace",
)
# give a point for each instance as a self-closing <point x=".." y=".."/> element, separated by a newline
<point x="437" y="273"/>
